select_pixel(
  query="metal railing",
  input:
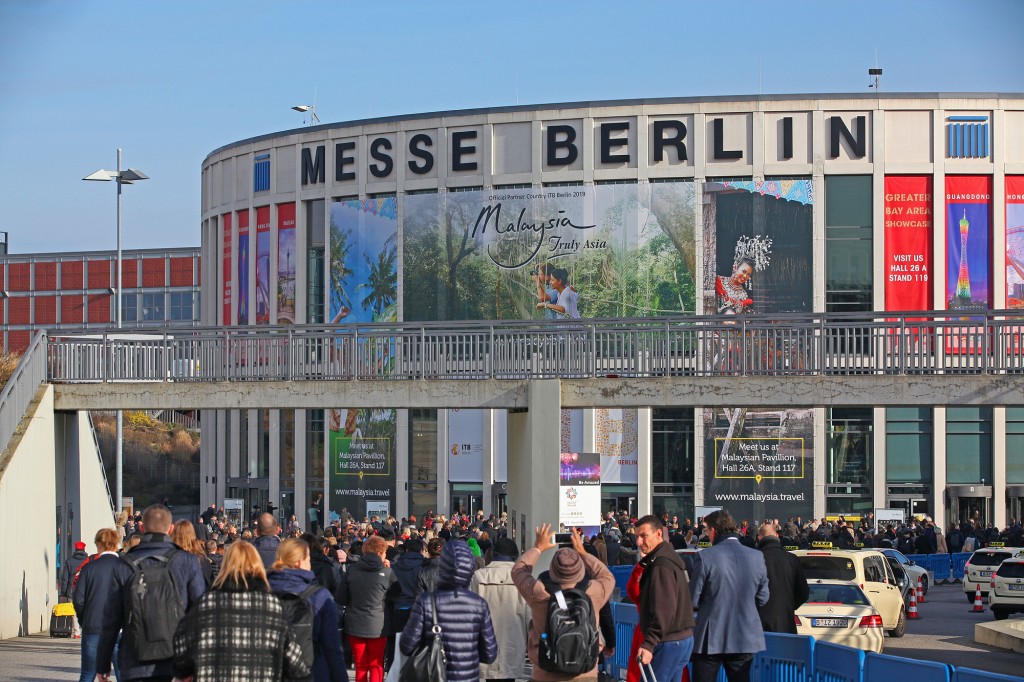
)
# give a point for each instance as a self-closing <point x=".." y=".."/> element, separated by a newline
<point x="103" y="468"/>
<point x="20" y="390"/>
<point x="989" y="342"/>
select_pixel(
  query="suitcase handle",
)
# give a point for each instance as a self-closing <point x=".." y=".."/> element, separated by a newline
<point x="644" y="674"/>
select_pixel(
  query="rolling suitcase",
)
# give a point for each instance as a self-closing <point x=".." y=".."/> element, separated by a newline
<point x="62" y="620"/>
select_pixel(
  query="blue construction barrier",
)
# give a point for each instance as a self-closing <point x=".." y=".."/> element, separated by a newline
<point x="788" y="657"/>
<point x="971" y="675"/>
<point x="625" y="617"/>
<point x="837" y="663"/>
<point x="939" y="565"/>
<point x="958" y="561"/>
<point x="883" y="667"/>
<point x="621" y="574"/>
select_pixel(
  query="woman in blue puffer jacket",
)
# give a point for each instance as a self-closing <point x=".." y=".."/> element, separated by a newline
<point x="464" y="617"/>
<point x="291" y="574"/>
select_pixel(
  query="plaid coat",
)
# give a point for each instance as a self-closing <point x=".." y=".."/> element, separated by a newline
<point x="237" y="635"/>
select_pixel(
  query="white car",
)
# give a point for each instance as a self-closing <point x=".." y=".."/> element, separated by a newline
<point x="913" y="570"/>
<point x="870" y="570"/>
<point x="1006" y="589"/>
<point x="838" y="611"/>
<point x="982" y="564"/>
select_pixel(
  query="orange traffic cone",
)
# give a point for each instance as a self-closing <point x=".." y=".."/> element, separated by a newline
<point x="920" y="591"/>
<point x="912" y="613"/>
<point x="978" y="608"/>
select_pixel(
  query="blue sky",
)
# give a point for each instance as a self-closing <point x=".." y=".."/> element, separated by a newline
<point x="169" y="82"/>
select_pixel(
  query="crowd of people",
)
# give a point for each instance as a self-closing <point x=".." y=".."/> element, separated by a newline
<point x="206" y="600"/>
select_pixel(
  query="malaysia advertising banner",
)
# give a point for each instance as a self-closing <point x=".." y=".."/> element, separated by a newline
<point x="550" y="253"/>
<point x="968" y="242"/>
<point x="1015" y="241"/>
<point x="243" y="267"/>
<point x="286" y="264"/>
<point x="758" y="258"/>
<point x="362" y="287"/>
<point x="579" y="489"/>
<point x="465" y="445"/>
<point x="263" y="265"/>
<point x="908" y="242"/>
<point x="225" y="221"/>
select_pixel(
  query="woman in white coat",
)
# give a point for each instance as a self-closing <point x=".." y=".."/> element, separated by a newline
<point x="509" y="612"/>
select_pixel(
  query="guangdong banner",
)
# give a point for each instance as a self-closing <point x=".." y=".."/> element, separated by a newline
<point x="1015" y="241"/>
<point x="286" y="264"/>
<point x="243" y="267"/>
<point x="225" y="221"/>
<point x="908" y="243"/>
<point x="263" y="265"/>
<point x="968" y="242"/>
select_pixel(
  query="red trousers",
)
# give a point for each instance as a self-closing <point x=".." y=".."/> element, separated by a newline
<point x="368" y="656"/>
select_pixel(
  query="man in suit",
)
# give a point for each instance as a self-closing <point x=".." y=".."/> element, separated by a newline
<point x="728" y="584"/>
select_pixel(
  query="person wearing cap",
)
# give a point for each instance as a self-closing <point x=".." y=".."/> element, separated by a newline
<point x="71" y="566"/>
<point x="568" y="568"/>
<point x="509" y="613"/>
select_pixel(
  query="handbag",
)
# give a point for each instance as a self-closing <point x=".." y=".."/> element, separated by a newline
<point x="429" y="661"/>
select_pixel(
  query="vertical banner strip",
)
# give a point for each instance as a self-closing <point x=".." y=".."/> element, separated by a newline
<point x="286" y="258"/>
<point x="225" y="221"/>
<point x="243" y="267"/>
<point x="908" y="242"/>
<point x="263" y="265"/>
<point x="968" y="242"/>
<point x="1015" y="241"/>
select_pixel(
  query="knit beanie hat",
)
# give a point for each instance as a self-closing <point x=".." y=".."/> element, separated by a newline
<point x="566" y="567"/>
<point x="474" y="547"/>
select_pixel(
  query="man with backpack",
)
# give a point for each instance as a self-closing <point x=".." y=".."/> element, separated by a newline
<point x="155" y="583"/>
<point x="563" y="643"/>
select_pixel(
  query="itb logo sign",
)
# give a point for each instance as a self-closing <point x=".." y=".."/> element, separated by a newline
<point x="967" y="137"/>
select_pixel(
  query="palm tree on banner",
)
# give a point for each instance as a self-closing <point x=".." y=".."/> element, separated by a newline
<point x="382" y="281"/>
<point x="340" y="272"/>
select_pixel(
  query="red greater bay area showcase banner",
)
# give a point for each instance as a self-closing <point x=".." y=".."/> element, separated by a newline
<point x="908" y="243"/>
<point x="225" y="221"/>
<point x="1015" y="241"/>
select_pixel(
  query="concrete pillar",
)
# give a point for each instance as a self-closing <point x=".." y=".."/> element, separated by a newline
<point x="400" y="505"/>
<point x="939" y="466"/>
<point x="644" y="429"/>
<point x="998" y="455"/>
<point x="444" y="488"/>
<point x="533" y="455"/>
<point x="488" y="464"/>
<point x="299" y="496"/>
<point x="821" y="442"/>
<point x="878" y="461"/>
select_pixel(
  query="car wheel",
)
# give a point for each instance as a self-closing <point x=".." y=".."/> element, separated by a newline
<point x="1000" y="614"/>
<point x="924" y="585"/>
<point x="901" y="625"/>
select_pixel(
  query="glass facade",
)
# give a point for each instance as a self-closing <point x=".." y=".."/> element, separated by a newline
<point x="848" y="226"/>
<point x="849" y="460"/>
<point x="315" y="261"/>
<point x="672" y="455"/>
<point x="314" y="455"/>
<point x="422" y="461"/>
<point x="1014" y="445"/>
<point x="908" y="444"/>
<point x="969" y="445"/>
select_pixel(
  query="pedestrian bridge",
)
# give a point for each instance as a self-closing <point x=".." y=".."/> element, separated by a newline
<point x="919" y="358"/>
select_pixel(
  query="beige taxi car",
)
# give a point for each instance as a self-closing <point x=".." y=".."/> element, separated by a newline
<point x="983" y="564"/>
<point x="838" y="611"/>
<point x="869" y="570"/>
<point x="1006" y="588"/>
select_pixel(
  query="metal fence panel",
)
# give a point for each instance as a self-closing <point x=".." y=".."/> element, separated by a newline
<point x="884" y="667"/>
<point x="837" y="663"/>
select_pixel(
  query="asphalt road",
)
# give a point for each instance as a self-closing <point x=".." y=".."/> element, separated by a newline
<point x="944" y="633"/>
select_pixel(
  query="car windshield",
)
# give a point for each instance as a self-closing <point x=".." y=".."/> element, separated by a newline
<point x="988" y="558"/>
<point x="1011" y="569"/>
<point x="828" y="567"/>
<point x="897" y="555"/>
<point x="850" y="595"/>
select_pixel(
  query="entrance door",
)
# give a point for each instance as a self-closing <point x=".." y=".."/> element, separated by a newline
<point x="618" y="503"/>
<point x="973" y="509"/>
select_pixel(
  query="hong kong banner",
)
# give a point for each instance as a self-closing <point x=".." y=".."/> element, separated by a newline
<point x="1015" y="241"/>
<point x="908" y="242"/>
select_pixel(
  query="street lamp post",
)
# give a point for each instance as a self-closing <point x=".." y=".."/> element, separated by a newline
<point x="121" y="177"/>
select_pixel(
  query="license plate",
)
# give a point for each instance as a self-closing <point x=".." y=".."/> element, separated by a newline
<point x="830" y="622"/>
<point x="1016" y="588"/>
<point x="985" y="574"/>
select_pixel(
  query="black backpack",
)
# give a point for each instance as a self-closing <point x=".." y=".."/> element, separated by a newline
<point x="570" y="643"/>
<point x="152" y="607"/>
<point x="298" y="612"/>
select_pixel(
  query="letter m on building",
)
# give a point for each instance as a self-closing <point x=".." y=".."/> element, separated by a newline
<point x="313" y="169"/>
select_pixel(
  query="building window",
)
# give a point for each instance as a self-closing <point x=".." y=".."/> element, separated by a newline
<point x="422" y="461"/>
<point x="245" y="468"/>
<point x="262" y="444"/>
<point x="183" y="306"/>
<point x="849" y="446"/>
<point x="314" y="453"/>
<point x="153" y="307"/>
<point x="1014" y="445"/>
<point x="969" y="445"/>
<point x="129" y="307"/>
<point x="848" y="225"/>
<point x="672" y="441"/>
<point x="908" y="444"/>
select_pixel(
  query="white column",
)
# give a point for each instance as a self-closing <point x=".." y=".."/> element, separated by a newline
<point x="444" y="493"/>
<point x="820" y="441"/>
<point x="644" y="467"/>
<point x="274" y="470"/>
<point x="400" y="505"/>
<point x="487" y="457"/>
<point x="998" y="455"/>
<point x="939" y="465"/>
<point x="300" y="465"/>
<point x="878" y="459"/>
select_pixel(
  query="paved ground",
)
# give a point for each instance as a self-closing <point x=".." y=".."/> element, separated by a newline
<point x="945" y="633"/>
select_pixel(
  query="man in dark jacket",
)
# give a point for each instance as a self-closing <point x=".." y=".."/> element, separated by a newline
<point x="464" y="617"/>
<point x="93" y="603"/>
<point x="69" y="570"/>
<point x="267" y="542"/>
<point x="187" y="577"/>
<point x="787" y="584"/>
<point x="665" y="613"/>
